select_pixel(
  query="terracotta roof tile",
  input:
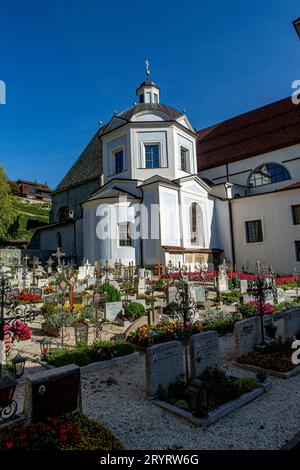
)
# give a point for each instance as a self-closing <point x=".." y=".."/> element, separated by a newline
<point x="271" y="127"/>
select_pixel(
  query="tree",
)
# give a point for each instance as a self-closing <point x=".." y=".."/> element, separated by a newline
<point x="8" y="212"/>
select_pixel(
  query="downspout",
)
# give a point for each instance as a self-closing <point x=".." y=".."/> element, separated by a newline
<point x="228" y="188"/>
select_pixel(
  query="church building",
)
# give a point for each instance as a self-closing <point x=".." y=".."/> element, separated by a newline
<point x="149" y="188"/>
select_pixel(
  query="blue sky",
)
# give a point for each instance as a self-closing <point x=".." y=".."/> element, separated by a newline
<point x="68" y="64"/>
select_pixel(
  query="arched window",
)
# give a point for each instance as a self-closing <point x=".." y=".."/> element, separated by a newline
<point x="267" y="174"/>
<point x="58" y="240"/>
<point x="196" y="225"/>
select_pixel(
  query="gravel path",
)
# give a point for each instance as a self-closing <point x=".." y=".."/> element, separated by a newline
<point x="117" y="398"/>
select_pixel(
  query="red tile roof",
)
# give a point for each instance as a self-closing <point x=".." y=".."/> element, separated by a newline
<point x="271" y="127"/>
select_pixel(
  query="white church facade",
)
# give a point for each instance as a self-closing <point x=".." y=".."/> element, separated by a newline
<point x="149" y="188"/>
<point x="152" y="207"/>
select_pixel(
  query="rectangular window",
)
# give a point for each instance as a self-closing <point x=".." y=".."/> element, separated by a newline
<point x="184" y="159"/>
<point x="124" y="237"/>
<point x="142" y="98"/>
<point x="119" y="161"/>
<point x="155" y="98"/>
<point x="148" y="97"/>
<point x="152" y="156"/>
<point x="297" y="249"/>
<point x="296" y="214"/>
<point x="254" y="232"/>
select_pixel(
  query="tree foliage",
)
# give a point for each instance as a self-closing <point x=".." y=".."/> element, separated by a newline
<point x="8" y="212"/>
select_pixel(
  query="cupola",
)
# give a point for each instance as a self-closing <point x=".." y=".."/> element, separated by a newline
<point x="148" y="92"/>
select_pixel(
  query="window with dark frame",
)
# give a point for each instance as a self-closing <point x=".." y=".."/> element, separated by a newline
<point x="296" y="214"/>
<point x="184" y="157"/>
<point x="254" y="232"/>
<point x="152" y="156"/>
<point x="194" y="223"/>
<point x="119" y="162"/>
<point x="124" y="237"/>
<point x="297" y="250"/>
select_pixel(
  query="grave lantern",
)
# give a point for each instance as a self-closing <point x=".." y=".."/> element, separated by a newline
<point x="45" y="345"/>
<point x="18" y="364"/>
<point x="8" y="406"/>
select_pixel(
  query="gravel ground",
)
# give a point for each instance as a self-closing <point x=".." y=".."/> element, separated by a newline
<point x="118" y="398"/>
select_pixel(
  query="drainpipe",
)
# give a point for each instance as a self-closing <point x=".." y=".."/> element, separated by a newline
<point x="228" y="188"/>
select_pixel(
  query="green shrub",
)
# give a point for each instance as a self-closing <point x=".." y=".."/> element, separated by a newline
<point x="247" y="310"/>
<point x="134" y="310"/>
<point x="221" y="326"/>
<point x="230" y="297"/>
<point x="111" y="293"/>
<point x="62" y="357"/>
<point x="83" y="355"/>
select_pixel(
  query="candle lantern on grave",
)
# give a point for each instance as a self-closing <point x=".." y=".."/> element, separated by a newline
<point x="45" y="346"/>
<point x="18" y="364"/>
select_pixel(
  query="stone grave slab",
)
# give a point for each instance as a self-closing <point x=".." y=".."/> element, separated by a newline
<point x="247" y="334"/>
<point x="243" y="286"/>
<point x="53" y="392"/>
<point x="205" y="352"/>
<point x="112" y="310"/>
<point x="171" y="294"/>
<point x="164" y="364"/>
<point x="280" y="295"/>
<point x="197" y="292"/>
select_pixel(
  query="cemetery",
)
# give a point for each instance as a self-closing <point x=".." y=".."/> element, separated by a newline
<point x="87" y="350"/>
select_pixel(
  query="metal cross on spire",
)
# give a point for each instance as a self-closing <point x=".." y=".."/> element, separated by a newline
<point x="147" y="68"/>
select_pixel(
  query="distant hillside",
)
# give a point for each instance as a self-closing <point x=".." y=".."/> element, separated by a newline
<point x="30" y="216"/>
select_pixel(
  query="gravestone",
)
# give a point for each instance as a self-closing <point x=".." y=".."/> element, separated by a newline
<point x="197" y="292"/>
<point x="247" y="334"/>
<point x="112" y="310"/>
<point x="243" y="286"/>
<point x="53" y="392"/>
<point x="269" y="297"/>
<point x="171" y="294"/>
<point x="43" y="282"/>
<point x="164" y="364"/>
<point x="222" y="279"/>
<point x="291" y="326"/>
<point x="81" y="273"/>
<point x="280" y="295"/>
<point x="141" y="282"/>
<point x="35" y="291"/>
<point x="205" y="352"/>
